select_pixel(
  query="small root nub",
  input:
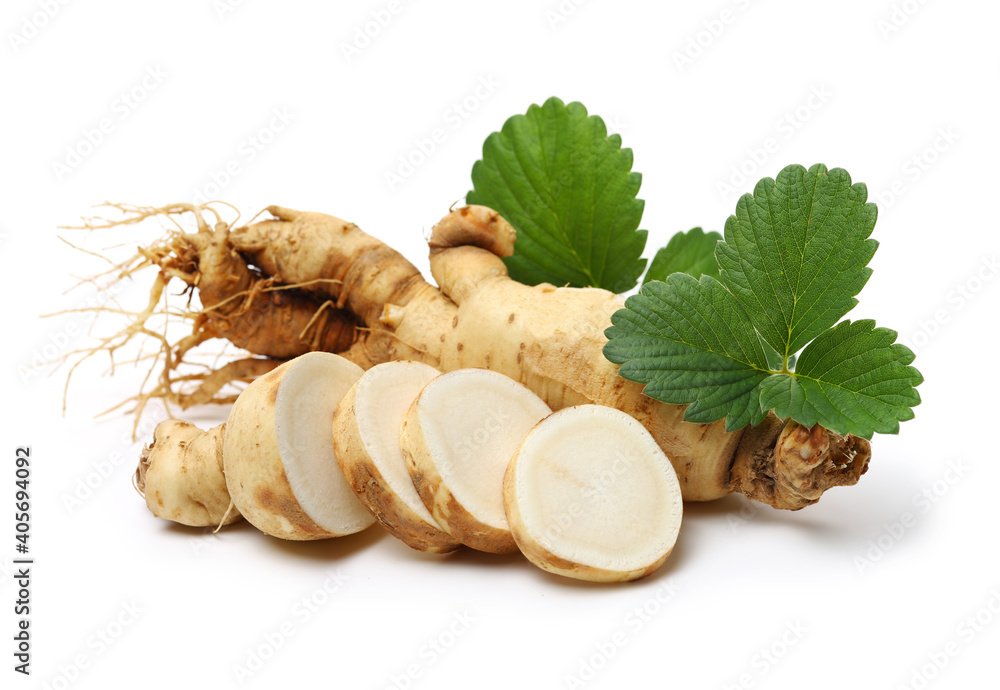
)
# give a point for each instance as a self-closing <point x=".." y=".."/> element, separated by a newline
<point x="789" y="466"/>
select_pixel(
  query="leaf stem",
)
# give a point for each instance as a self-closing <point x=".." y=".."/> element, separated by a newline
<point x="784" y="365"/>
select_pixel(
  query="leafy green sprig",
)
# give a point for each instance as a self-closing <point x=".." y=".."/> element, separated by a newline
<point x="793" y="258"/>
<point x="734" y="326"/>
<point x="568" y="188"/>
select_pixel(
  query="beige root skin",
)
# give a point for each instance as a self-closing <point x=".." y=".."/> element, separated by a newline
<point x="548" y="561"/>
<point x="375" y="491"/>
<point x="241" y="468"/>
<point x="256" y="480"/>
<point x="551" y="340"/>
<point x="548" y="338"/>
<point x="180" y="475"/>
<point x="358" y="271"/>
<point x="276" y="422"/>
<point x="444" y="507"/>
<point x="457" y="438"/>
<point x="238" y="304"/>
<point x="242" y="370"/>
<point x="789" y="466"/>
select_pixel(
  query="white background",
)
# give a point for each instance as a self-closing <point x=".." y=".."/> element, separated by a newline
<point x="902" y="94"/>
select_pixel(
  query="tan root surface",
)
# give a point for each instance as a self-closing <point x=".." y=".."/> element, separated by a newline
<point x="238" y="304"/>
<point x="794" y="469"/>
<point x="304" y="281"/>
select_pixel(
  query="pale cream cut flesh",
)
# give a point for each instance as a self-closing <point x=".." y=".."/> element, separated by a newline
<point x="366" y="440"/>
<point x="382" y="398"/>
<point x="590" y="495"/>
<point x="280" y="464"/>
<point x="307" y="398"/>
<point x="457" y="439"/>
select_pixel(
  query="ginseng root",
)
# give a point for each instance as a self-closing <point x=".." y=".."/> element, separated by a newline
<point x="181" y="476"/>
<point x="548" y="338"/>
<point x="272" y="462"/>
<point x="238" y="304"/>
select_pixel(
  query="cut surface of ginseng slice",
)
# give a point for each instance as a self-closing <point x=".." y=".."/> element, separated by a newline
<point x="590" y="495"/>
<point x="366" y="440"/>
<point x="457" y="438"/>
<point x="278" y="453"/>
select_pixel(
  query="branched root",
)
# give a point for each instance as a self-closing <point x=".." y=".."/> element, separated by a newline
<point x="238" y="304"/>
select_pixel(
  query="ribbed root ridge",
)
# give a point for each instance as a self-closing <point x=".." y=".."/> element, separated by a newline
<point x="789" y="466"/>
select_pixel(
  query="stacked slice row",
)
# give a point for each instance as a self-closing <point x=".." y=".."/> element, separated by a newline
<point x="318" y="448"/>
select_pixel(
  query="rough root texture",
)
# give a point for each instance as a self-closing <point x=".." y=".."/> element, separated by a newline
<point x="343" y="291"/>
<point x="800" y="464"/>
<point x="238" y="303"/>
<point x="180" y="475"/>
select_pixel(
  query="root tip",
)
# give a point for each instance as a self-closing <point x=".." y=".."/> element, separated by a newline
<point x="800" y="465"/>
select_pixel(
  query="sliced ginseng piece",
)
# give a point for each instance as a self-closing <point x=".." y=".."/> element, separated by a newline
<point x="590" y="495"/>
<point x="366" y="439"/>
<point x="457" y="439"/>
<point x="280" y="465"/>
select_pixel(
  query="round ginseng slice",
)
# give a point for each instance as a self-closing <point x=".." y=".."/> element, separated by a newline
<point x="457" y="439"/>
<point x="366" y="439"/>
<point x="590" y="495"/>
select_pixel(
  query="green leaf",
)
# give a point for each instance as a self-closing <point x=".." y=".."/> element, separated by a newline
<point x="690" y="341"/>
<point x="566" y="186"/>
<point x="774" y="360"/>
<point x="852" y="379"/>
<point x="691" y="252"/>
<point x="794" y="256"/>
<point x="796" y="253"/>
